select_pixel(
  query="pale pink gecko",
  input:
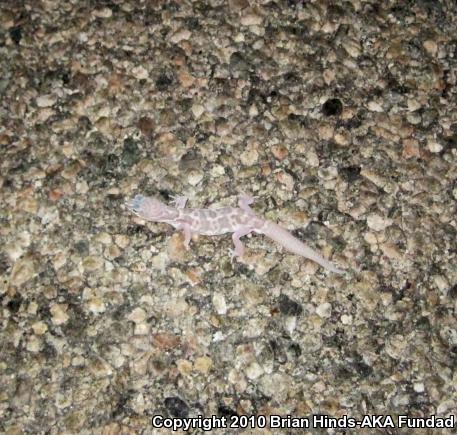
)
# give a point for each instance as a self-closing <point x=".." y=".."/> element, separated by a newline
<point x="239" y="220"/>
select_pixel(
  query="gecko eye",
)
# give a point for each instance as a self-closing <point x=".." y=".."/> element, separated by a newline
<point x="135" y="203"/>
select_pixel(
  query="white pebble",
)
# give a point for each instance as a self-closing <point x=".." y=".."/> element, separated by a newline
<point x="45" y="100"/>
<point x="219" y="303"/>
<point x="324" y="310"/>
<point x="434" y="147"/>
<point x="377" y="222"/>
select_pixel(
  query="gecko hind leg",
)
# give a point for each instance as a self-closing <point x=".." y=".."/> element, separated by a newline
<point x="239" y="247"/>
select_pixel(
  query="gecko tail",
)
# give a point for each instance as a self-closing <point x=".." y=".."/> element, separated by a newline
<point x="292" y="244"/>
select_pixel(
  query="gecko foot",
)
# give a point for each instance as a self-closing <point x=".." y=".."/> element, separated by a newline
<point x="237" y="252"/>
<point x="232" y="255"/>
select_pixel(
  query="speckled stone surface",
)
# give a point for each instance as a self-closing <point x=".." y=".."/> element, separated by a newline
<point x="340" y="117"/>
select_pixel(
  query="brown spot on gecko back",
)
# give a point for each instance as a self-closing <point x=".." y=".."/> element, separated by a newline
<point x="217" y="221"/>
<point x="242" y="218"/>
<point x="212" y="213"/>
<point x="223" y="221"/>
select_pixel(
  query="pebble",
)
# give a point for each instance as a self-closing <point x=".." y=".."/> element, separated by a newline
<point x="146" y="126"/>
<point x="165" y="340"/>
<point x="411" y="148"/>
<point x="217" y="171"/>
<point x="100" y="368"/>
<point x="324" y="310"/>
<point x="396" y="346"/>
<point x="279" y="151"/>
<point x="312" y="159"/>
<point x="286" y="180"/>
<point x="249" y="157"/>
<point x="142" y="328"/>
<point x="203" y="364"/>
<point x="175" y="307"/>
<point x="195" y="177"/>
<point x="431" y="47"/>
<point x="328" y="173"/>
<point x="342" y="138"/>
<point x="219" y="303"/>
<point x="138" y="315"/>
<point x="353" y="47"/>
<point x="28" y="204"/>
<point x="391" y="251"/>
<point x="184" y="367"/>
<point x="140" y="73"/>
<point x="46" y="100"/>
<point x="24" y="270"/>
<point x="413" y="104"/>
<point x="39" y="328"/>
<point x="346" y="319"/>
<point x="160" y="261"/>
<point x="180" y="35"/>
<point x="375" y="106"/>
<point x="34" y="344"/>
<point x="92" y="263"/>
<point x="251" y="19"/>
<point x="96" y="305"/>
<point x="254" y="370"/>
<point x="102" y="13"/>
<point x="121" y="240"/>
<point x="59" y="314"/>
<point x="276" y="384"/>
<point x="434" y="146"/>
<point x="197" y="110"/>
<point x="377" y="222"/>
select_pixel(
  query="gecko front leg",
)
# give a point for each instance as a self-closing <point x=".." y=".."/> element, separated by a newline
<point x="239" y="247"/>
<point x="244" y="201"/>
<point x="179" y="201"/>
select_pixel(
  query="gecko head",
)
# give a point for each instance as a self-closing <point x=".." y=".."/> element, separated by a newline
<point x="148" y="208"/>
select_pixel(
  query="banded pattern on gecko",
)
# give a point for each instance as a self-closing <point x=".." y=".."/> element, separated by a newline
<point x="239" y="220"/>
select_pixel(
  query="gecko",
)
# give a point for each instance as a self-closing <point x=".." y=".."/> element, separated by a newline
<point x="240" y="221"/>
